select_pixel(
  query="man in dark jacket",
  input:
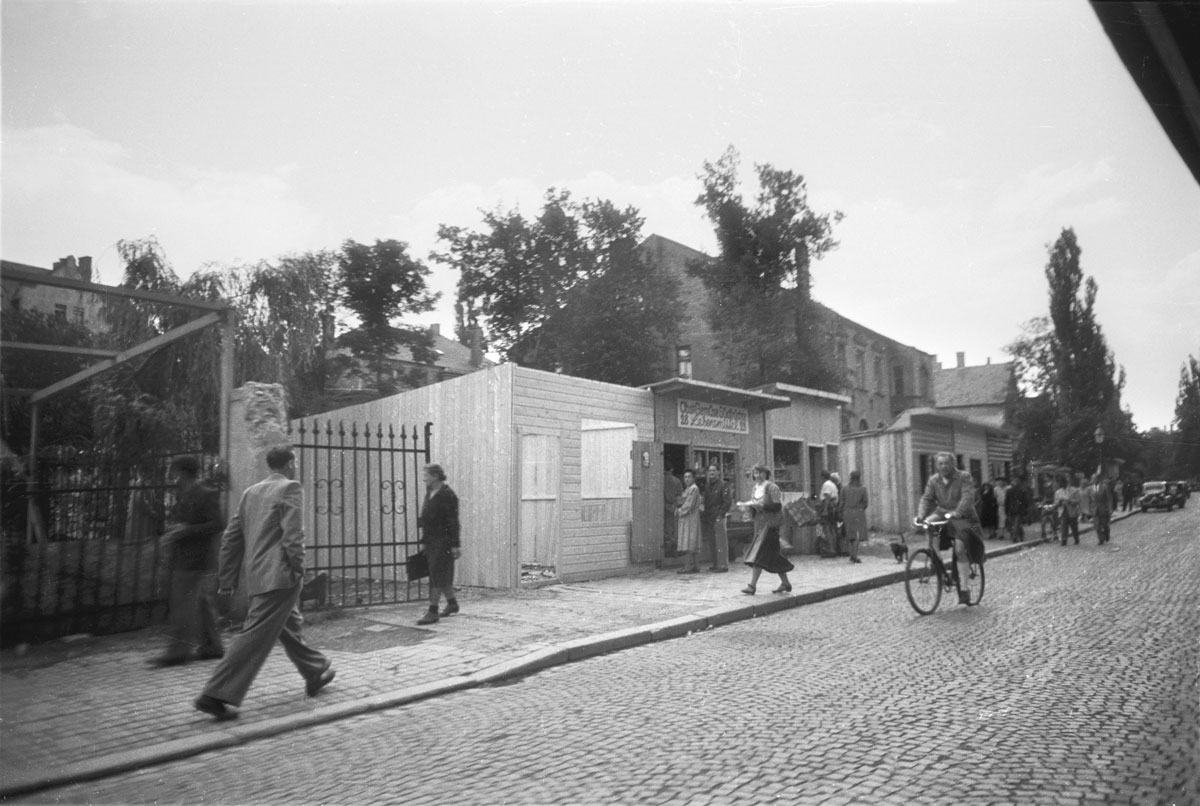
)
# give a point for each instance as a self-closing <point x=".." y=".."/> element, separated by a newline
<point x="950" y="493"/>
<point x="718" y="498"/>
<point x="192" y="543"/>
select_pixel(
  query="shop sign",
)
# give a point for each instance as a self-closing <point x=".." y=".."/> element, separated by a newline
<point x="713" y="417"/>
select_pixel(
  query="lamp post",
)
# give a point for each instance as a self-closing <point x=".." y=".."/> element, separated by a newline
<point x="1099" y="435"/>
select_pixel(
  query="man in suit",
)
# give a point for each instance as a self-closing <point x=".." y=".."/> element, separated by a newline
<point x="267" y="536"/>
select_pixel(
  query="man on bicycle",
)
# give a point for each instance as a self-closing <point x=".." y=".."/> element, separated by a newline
<point x="950" y="493"/>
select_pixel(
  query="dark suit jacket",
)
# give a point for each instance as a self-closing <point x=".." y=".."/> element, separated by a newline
<point x="198" y="513"/>
<point x="267" y="534"/>
<point x="439" y="519"/>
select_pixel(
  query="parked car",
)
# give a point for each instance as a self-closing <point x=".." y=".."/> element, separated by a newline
<point x="1157" y="495"/>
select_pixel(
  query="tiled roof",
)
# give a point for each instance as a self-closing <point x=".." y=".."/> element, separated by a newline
<point x="985" y="385"/>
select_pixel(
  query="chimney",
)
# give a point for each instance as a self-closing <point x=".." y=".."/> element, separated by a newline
<point x="477" y="346"/>
<point x="962" y="359"/>
<point x="85" y="269"/>
<point x="435" y="331"/>
<point x="989" y="360"/>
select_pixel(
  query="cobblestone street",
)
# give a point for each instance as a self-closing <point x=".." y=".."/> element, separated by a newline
<point x="1074" y="682"/>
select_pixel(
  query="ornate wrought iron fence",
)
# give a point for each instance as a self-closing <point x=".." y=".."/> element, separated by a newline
<point x="363" y="493"/>
<point x="95" y="562"/>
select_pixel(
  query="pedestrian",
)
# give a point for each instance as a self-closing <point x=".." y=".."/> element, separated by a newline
<point x="765" y="552"/>
<point x="1018" y="503"/>
<point x="830" y="502"/>
<point x="1067" y="502"/>
<point x="717" y="498"/>
<point x="988" y="512"/>
<point x="440" y="542"/>
<point x="672" y="490"/>
<point x="191" y="542"/>
<point x="1128" y="493"/>
<point x="266" y="536"/>
<point x="854" y="513"/>
<point x="1000" y="489"/>
<point x="1103" y="504"/>
<point x="687" y="534"/>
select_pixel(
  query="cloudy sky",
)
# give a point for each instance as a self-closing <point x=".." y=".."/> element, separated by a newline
<point x="958" y="138"/>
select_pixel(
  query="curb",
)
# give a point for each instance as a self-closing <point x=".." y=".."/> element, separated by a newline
<point x="527" y="664"/>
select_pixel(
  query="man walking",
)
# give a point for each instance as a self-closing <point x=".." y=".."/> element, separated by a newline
<point x="1103" y="504"/>
<point x="192" y="543"/>
<point x="718" y="498"/>
<point x="266" y="534"/>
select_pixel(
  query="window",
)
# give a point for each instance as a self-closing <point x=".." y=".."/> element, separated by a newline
<point x="683" y="361"/>
<point x="863" y="425"/>
<point x="898" y="380"/>
<point x="879" y="387"/>
<point x="789" y="470"/>
<point x="925" y="469"/>
<point x="60" y="312"/>
<point x="78" y="313"/>
<point x="604" y="456"/>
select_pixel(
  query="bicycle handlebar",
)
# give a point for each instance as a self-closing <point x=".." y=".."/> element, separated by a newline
<point x="927" y="523"/>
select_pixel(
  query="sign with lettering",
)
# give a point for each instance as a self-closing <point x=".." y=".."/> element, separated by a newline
<point x="713" y="417"/>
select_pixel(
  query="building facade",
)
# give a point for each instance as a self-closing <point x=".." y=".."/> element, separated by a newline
<point x="24" y="288"/>
<point x="883" y="377"/>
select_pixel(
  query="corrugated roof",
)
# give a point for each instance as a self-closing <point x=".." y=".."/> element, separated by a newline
<point x="985" y="385"/>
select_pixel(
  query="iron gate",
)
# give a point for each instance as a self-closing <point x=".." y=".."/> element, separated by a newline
<point x="363" y="493"/>
<point x="91" y="561"/>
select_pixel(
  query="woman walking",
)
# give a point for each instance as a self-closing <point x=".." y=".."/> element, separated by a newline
<point x="439" y="542"/>
<point x="765" y="553"/>
<point x="854" y="513"/>
<point x="687" y="518"/>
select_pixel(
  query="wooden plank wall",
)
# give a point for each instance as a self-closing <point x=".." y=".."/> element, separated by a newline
<point x="472" y="440"/>
<point x="545" y="402"/>
<point x="889" y="470"/>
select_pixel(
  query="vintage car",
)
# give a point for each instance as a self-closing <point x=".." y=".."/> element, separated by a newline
<point x="1158" y="495"/>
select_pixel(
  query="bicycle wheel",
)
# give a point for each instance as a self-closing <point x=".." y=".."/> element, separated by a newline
<point x="923" y="581"/>
<point x="974" y="586"/>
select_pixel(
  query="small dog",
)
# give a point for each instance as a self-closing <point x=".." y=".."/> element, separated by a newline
<point x="900" y="549"/>
<point x="316" y="589"/>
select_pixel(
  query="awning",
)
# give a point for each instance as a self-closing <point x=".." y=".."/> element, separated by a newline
<point x="715" y="393"/>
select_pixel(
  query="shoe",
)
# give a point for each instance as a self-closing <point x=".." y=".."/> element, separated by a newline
<point x="856" y="560"/>
<point x="785" y="588"/>
<point x="748" y="590"/>
<point x="210" y="654"/>
<point x="163" y="661"/>
<point x="218" y="709"/>
<point x="964" y="598"/>
<point x="320" y="681"/>
<point x="450" y="609"/>
<point x="430" y="617"/>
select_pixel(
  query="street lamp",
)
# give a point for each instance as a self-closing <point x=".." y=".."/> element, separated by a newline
<point x="1099" y="435"/>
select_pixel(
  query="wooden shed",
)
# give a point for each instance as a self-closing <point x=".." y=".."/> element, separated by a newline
<point x="896" y="461"/>
<point x="565" y="475"/>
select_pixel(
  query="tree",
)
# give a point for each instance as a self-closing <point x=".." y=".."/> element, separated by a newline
<point x="566" y="291"/>
<point x="1186" y="458"/>
<point x="380" y="284"/>
<point x="760" y="283"/>
<point x="1065" y="357"/>
<point x="619" y="326"/>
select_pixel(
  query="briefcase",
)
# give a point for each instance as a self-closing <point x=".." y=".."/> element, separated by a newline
<point x="417" y="566"/>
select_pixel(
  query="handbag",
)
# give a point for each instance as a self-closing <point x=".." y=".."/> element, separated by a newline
<point x="416" y="566"/>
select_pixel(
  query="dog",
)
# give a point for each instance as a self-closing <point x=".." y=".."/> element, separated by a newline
<point x="900" y="549"/>
<point x="316" y="590"/>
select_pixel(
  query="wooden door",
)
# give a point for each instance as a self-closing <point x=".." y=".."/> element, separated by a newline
<point x="646" y="533"/>
<point x="539" y="499"/>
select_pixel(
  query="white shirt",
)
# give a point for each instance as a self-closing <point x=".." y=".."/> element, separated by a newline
<point x="829" y="489"/>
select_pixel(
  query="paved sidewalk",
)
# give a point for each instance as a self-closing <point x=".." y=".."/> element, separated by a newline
<point x="80" y="709"/>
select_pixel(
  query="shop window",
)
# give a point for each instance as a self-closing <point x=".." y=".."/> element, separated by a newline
<point x="725" y="461"/>
<point x="683" y="361"/>
<point x="788" y="472"/>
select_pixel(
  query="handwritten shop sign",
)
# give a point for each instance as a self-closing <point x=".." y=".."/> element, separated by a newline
<point x="713" y="417"/>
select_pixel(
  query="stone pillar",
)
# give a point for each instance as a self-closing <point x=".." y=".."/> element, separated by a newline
<point x="257" y="422"/>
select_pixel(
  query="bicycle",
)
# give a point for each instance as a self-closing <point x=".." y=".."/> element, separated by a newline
<point x="927" y="574"/>
<point x="1049" y="521"/>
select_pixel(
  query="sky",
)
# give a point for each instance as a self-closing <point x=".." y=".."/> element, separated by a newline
<point x="958" y="138"/>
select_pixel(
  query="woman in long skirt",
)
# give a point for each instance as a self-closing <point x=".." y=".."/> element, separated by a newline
<point x="765" y="553"/>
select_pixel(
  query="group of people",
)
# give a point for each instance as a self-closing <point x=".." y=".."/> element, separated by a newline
<point x="1096" y="501"/>
<point x="1005" y="508"/>
<point x="263" y="543"/>
<point x="695" y="512"/>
